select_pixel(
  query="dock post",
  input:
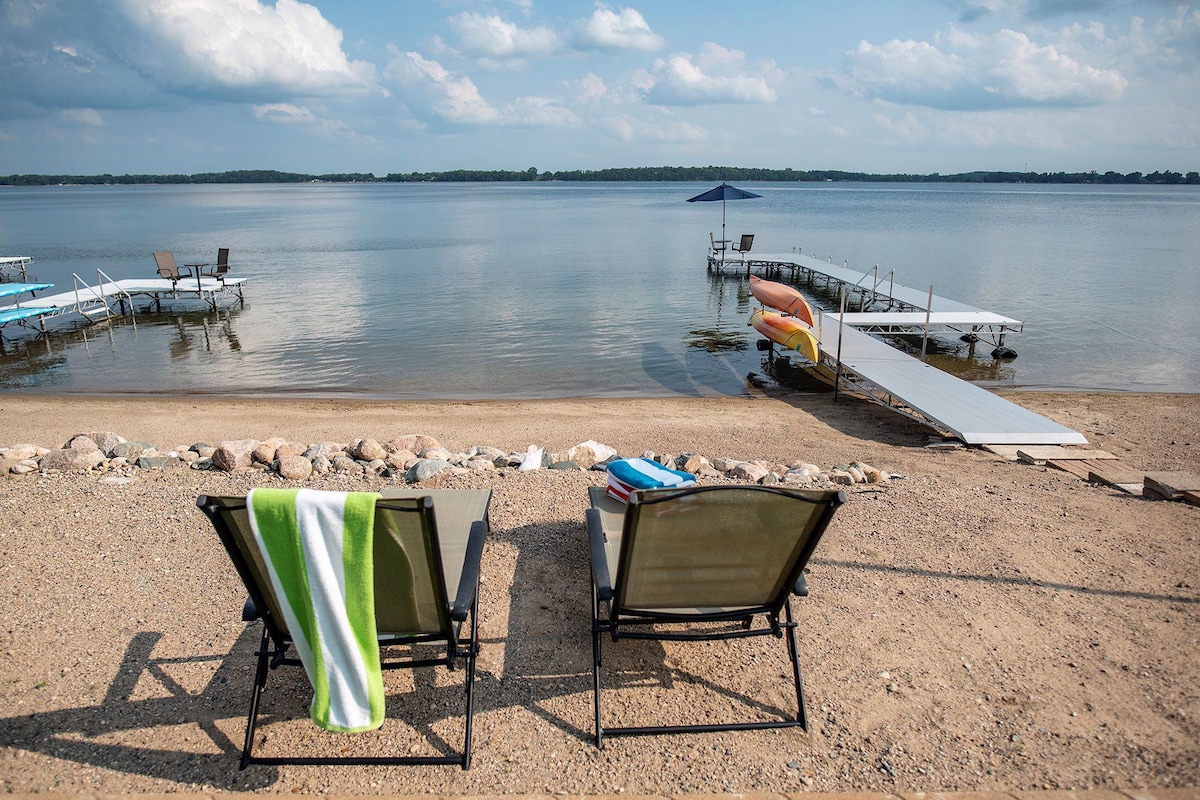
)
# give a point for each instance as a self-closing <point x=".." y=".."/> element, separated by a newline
<point x="928" y="309"/>
<point x="837" y="375"/>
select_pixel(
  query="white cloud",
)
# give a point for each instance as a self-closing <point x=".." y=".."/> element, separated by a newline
<point x="625" y="29"/>
<point x="84" y="117"/>
<point x="629" y="129"/>
<point x="718" y="75"/>
<point x="539" y="112"/>
<point x="591" y="89"/>
<point x="490" y="37"/>
<point x="288" y="114"/>
<point x="427" y="85"/>
<point x="965" y="71"/>
<point x="241" y="46"/>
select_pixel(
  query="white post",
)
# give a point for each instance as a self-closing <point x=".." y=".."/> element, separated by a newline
<point x="928" y="310"/>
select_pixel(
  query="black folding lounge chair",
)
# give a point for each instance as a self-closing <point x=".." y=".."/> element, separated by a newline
<point x="695" y="562"/>
<point x="439" y="555"/>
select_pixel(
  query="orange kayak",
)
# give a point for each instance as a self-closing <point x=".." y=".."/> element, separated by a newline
<point x="788" y="332"/>
<point x="782" y="297"/>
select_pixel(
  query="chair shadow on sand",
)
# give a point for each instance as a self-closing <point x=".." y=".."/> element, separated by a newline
<point x="545" y="670"/>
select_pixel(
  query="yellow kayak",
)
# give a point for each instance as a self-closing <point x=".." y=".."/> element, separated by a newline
<point x="782" y="297"/>
<point x="787" y="332"/>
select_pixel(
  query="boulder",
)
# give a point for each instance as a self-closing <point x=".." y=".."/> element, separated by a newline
<point x="20" y="452"/>
<point x="234" y="454"/>
<point x="533" y="459"/>
<point x="486" y="451"/>
<point x="320" y="464"/>
<point x="129" y="450"/>
<point x="294" y="468"/>
<point x="203" y="450"/>
<point x="366" y="450"/>
<point x="585" y="454"/>
<point x="693" y="463"/>
<point x="841" y="477"/>
<point x="344" y="465"/>
<point x="435" y="453"/>
<point x="565" y="466"/>
<point x="264" y="451"/>
<point x="416" y="442"/>
<point x="105" y="440"/>
<point x="81" y="441"/>
<point x="6" y="465"/>
<point x="745" y="471"/>
<point x="480" y="464"/>
<point x="323" y="449"/>
<point x="376" y="466"/>
<point x="870" y="473"/>
<point x="156" y="462"/>
<point x="24" y="467"/>
<point x="425" y="469"/>
<point x="401" y="460"/>
<point x="71" y="460"/>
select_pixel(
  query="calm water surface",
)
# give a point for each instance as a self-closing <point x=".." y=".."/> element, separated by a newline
<point x="556" y="290"/>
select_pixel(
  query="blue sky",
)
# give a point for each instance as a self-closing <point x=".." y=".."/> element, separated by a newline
<point x="184" y="86"/>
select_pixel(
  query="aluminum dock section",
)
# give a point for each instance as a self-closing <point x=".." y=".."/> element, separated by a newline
<point x="92" y="301"/>
<point x="912" y="387"/>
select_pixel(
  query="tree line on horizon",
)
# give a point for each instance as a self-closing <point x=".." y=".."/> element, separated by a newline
<point x="619" y="174"/>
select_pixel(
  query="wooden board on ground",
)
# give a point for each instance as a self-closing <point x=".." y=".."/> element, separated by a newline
<point x="1079" y="468"/>
<point x="1113" y="476"/>
<point x="1038" y="454"/>
<point x="1191" y="498"/>
<point x="1006" y="451"/>
<point x="1170" y="485"/>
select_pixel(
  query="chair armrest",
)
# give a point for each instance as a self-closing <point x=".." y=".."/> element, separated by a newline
<point x="801" y="587"/>
<point x="600" y="575"/>
<point x="468" y="584"/>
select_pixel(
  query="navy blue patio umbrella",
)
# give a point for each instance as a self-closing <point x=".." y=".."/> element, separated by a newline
<point x="723" y="192"/>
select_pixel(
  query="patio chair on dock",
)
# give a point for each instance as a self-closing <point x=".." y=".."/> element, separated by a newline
<point x="718" y="245"/>
<point x="743" y="246"/>
<point x="702" y="564"/>
<point x="167" y="268"/>
<point x="423" y="568"/>
<point x="220" y="269"/>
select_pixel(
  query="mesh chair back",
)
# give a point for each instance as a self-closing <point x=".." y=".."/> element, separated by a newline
<point x="410" y="589"/>
<point x="745" y="244"/>
<point x="167" y="268"/>
<point x="222" y="261"/>
<point x="717" y="546"/>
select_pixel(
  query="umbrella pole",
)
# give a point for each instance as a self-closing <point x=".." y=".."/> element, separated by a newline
<point x="723" y="242"/>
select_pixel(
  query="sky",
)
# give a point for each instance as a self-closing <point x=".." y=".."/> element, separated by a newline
<point x="920" y="86"/>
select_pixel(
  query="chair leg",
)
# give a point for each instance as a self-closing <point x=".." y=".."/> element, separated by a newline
<point x="260" y="682"/>
<point x="793" y="653"/>
<point x="596" y="644"/>
<point x="472" y="651"/>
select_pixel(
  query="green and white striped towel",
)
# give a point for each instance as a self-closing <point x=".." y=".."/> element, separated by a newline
<point x="318" y="550"/>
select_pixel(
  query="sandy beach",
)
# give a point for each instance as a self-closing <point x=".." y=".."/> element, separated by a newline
<point x="973" y="624"/>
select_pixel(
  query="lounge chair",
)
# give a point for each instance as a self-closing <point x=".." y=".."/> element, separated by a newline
<point x="433" y="538"/>
<point x="743" y="246"/>
<point x="167" y="268"/>
<point x="702" y="564"/>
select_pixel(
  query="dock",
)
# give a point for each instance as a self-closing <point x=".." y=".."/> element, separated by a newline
<point x="13" y="267"/>
<point x="858" y="361"/>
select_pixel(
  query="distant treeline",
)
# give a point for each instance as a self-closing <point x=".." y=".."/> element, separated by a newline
<point x="619" y="174"/>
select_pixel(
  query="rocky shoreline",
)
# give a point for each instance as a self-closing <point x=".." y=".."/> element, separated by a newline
<point x="412" y="457"/>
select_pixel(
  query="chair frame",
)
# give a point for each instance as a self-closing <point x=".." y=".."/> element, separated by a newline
<point x="618" y="619"/>
<point x="743" y="246"/>
<point x="272" y="650"/>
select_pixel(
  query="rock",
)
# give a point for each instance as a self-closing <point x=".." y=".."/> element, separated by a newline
<point x="204" y="462"/>
<point x="745" y="471"/>
<point x="797" y="477"/>
<point x="416" y="442"/>
<point x="841" y="477"/>
<point x="513" y="460"/>
<point x="480" y="464"/>
<point x="376" y="466"/>
<point x="533" y="459"/>
<point x="665" y="459"/>
<point x="771" y="479"/>
<point x="71" y="460"/>
<point x="724" y="464"/>
<point x="156" y="462"/>
<point x="320" y="464"/>
<point x="20" y="452"/>
<point x="565" y="466"/>
<point x="203" y="450"/>
<point x="234" y="454"/>
<point x="326" y="449"/>
<point x="264" y="451"/>
<point x="105" y="440"/>
<point x="294" y="468"/>
<point x="401" y="460"/>
<point x="187" y="456"/>
<point x="872" y="475"/>
<point x="81" y="441"/>
<point x="486" y="451"/>
<point x="24" y="467"/>
<point x="856" y="473"/>
<point x="436" y="453"/>
<point x="366" y="450"/>
<point x="6" y="465"/>
<point x="602" y="466"/>
<point x="585" y="454"/>
<point x="344" y="465"/>
<point x="694" y="463"/>
<point x="129" y="450"/>
<point x="425" y="469"/>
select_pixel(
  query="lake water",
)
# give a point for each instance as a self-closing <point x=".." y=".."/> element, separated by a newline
<point x="467" y="291"/>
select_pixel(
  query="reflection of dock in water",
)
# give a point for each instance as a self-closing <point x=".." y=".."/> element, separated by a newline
<point x="854" y="359"/>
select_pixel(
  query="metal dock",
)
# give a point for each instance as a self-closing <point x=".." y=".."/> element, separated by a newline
<point x="876" y="304"/>
<point x="13" y="267"/>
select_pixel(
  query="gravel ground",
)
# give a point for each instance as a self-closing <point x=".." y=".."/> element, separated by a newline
<point x="977" y="624"/>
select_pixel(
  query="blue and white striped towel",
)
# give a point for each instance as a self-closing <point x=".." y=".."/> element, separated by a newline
<point x="631" y="474"/>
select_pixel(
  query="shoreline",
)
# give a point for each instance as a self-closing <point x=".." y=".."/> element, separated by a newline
<point x="974" y="625"/>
